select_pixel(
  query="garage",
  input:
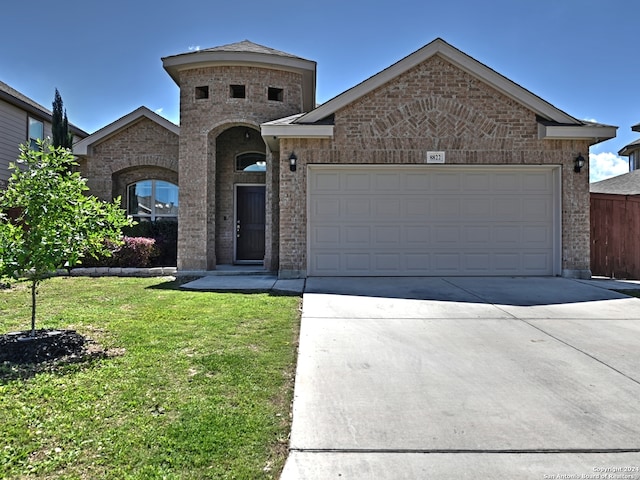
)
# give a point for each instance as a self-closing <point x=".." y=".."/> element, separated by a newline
<point x="433" y="220"/>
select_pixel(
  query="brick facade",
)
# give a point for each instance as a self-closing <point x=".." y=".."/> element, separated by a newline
<point x="216" y="126"/>
<point x="435" y="106"/>
<point x="143" y="150"/>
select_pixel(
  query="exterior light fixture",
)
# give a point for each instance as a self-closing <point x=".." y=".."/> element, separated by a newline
<point x="247" y="135"/>
<point x="579" y="163"/>
<point x="293" y="162"/>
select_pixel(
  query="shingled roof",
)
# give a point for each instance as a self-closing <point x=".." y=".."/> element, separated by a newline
<point x="626" y="184"/>
<point x="248" y="46"/>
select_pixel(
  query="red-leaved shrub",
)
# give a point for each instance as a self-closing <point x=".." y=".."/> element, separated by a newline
<point x="135" y="252"/>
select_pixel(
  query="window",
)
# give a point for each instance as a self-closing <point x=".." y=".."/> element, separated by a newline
<point x="202" y="92"/>
<point x="238" y="91"/>
<point x="275" y="94"/>
<point x="36" y="132"/>
<point x="151" y="200"/>
<point x="251" y="162"/>
<point x="634" y="160"/>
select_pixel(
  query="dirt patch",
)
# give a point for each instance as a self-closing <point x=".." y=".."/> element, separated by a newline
<point x="23" y="355"/>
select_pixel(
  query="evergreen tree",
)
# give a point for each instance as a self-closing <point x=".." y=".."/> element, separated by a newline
<point x="60" y="124"/>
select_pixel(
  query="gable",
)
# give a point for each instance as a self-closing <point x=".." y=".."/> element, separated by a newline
<point x="85" y="146"/>
<point x="552" y="123"/>
<point x="435" y="103"/>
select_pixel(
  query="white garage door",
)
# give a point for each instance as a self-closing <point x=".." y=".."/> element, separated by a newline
<point x="420" y="220"/>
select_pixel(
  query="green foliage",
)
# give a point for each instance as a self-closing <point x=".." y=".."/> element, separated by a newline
<point x="200" y="388"/>
<point x="60" y="124"/>
<point x="55" y="222"/>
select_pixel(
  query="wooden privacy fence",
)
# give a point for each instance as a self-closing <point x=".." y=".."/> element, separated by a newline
<point x="615" y="235"/>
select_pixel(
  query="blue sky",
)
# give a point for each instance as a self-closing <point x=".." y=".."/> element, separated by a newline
<point x="104" y="57"/>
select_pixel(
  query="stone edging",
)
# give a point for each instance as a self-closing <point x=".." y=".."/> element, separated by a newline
<point x="118" y="272"/>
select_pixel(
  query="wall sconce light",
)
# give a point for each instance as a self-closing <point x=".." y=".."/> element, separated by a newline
<point x="293" y="162"/>
<point x="247" y="135"/>
<point x="579" y="163"/>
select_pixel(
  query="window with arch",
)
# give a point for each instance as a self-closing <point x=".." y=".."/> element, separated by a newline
<point x="150" y="200"/>
<point x="251" y="162"/>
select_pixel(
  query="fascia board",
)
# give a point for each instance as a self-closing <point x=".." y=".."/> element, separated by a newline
<point x="456" y="57"/>
<point x="598" y="133"/>
<point x="175" y="64"/>
<point x="272" y="133"/>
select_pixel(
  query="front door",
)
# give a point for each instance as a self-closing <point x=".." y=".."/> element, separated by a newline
<point x="250" y="220"/>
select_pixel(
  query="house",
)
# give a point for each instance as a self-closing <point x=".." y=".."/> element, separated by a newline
<point x="632" y="151"/>
<point x="22" y="121"/>
<point x="437" y="165"/>
<point x="615" y="220"/>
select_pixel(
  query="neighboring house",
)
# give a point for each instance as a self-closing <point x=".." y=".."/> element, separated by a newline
<point x="22" y="121"/>
<point x="632" y="151"/>
<point x="615" y="220"/>
<point x="437" y="165"/>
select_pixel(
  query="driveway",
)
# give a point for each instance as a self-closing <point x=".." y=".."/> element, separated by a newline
<point x="449" y="378"/>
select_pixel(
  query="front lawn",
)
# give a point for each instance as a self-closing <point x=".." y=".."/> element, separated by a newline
<point x="198" y="385"/>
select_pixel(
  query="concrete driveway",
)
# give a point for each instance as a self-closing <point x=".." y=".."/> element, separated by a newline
<point x="449" y="378"/>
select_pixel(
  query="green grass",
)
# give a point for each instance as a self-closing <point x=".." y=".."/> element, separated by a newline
<point x="202" y="390"/>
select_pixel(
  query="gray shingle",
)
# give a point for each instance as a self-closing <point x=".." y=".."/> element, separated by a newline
<point x="626" y="184"/>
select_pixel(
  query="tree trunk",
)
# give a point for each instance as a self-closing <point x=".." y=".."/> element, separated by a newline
<point x="34" y="292"/>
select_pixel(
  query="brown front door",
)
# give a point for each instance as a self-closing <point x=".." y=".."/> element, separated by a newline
<point x="250" y="220"/>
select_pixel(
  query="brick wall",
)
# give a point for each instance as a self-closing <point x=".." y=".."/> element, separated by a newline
<point x="434" y="107"/>
<point x="206" y="181"/>
<point x="142" y="150"/>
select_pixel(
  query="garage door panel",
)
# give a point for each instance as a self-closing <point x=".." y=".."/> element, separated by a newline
<point x="356" y="208"/>
<point x="425" y="221"/>
<point x="446" y="182"/>
<point x="327" y="207"/>
<point x="387" y="208"/>
<point x="389" y="182"/>
<point x="326" y="182"/>
<point x="418" y="182"/>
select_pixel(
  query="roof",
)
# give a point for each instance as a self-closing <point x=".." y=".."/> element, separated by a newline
<point x="14" y="97"/>
<point x="246" y="46"/>
<point x="83" y="147"/>
<point x="246" y="53"/>
<point x="628" y="149"/>
<point x="558" y="124"/>
<point x="626" y="184"/>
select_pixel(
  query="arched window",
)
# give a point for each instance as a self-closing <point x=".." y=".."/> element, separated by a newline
<point x="251" y="162"/>
<point x="151" y="200"/>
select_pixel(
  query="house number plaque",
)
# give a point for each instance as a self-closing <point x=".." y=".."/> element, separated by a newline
<point x="435" y="157"/>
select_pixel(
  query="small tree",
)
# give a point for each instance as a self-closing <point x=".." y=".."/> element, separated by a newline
<point x="60" y="124"/>
<point x="56" y="223"/>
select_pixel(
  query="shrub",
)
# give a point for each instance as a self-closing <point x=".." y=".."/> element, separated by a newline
<point x="165" y="233"/>
<point x="134" y="252"/>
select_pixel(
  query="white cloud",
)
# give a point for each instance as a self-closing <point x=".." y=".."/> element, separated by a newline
<point x="159" y="110"/>
<point x="194" y="48"/>
<point x="606" y="165"/>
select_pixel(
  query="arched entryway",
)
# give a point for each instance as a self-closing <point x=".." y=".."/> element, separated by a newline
<point x="240" y="195"/>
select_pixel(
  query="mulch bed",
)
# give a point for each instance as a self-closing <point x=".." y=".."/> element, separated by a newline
<point x="23" y="355"/>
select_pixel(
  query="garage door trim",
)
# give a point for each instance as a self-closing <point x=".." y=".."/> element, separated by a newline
<point x="554" y="217"/>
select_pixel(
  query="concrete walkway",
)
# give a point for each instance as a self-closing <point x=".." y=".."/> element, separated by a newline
<point x="242" y="278"/>
<point x="449" y="378"/>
